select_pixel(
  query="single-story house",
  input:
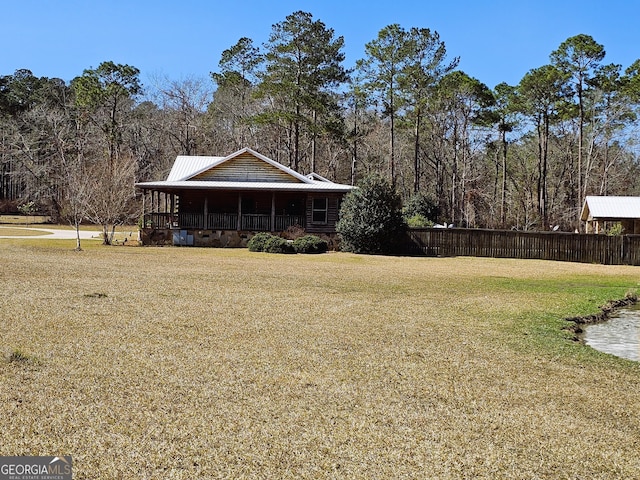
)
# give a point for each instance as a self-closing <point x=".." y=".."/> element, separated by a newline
<point x="600" y="209"/>
<point x="223" y="201"/>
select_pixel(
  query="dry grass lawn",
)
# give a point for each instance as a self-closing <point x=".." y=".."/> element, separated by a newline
<point x="193" y="363"/>
<point x="21" y="232"/>
<point x="23" y="219"/>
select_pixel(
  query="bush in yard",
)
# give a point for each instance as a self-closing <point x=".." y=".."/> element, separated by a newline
<point x="293" y="232"/>
<point x="418" y="221"/>
<point x="310" y="244"/>
<point x="266" y="242"/>
<point x="277" y="245"/>
<point x="256" y="243"/>
<point x="421" y="210"/>
<point x="371" y="218"/>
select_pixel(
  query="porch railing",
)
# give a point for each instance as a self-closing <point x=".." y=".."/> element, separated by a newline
<point x="191" y="220"/>
<point x="161" y="220"/>
<point x="222" y="221"/>
<point x="285" y="221"/>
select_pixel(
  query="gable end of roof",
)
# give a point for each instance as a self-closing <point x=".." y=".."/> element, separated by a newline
<point x="223" y="168"/>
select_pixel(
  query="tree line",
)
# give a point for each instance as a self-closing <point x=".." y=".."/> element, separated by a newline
<point x="513" y="156"/>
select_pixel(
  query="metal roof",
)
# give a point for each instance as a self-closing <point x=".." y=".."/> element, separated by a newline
<point x="610" y="207"/>
<point x="186" y="167"/>
<point x="318" y="178"/>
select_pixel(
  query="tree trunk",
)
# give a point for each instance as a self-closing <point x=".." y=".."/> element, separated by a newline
<point x="503" y="213"/>
<point x="545" y="213"/>
<point x="105" y="235"/>
<point x="392" y="157"/>
<point x="454" y="174"/>
<point x="416" y="152"/>
<point x="580" y="134"/>
<point x="296" y="140"/>
<point x="313" y="141"/>
<point x="541" y="155"/>
<point x="78" y="246"/>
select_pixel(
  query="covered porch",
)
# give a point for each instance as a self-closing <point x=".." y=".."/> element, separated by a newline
<point x="224" y="210"/>
<point x="223" y="221"/>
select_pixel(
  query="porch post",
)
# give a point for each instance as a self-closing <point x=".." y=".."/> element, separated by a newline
<point x="172" y="208"/>
<point x="144" y="208"/>
<point x="273" y="211"/>
<point x="206" y="212"/>
<point x="239" y="210"/>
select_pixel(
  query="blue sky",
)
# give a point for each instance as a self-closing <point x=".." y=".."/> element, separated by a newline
<point x="496" y="40"/>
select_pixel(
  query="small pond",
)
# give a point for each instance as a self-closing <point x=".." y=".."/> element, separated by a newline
<point x="620" y="335"/>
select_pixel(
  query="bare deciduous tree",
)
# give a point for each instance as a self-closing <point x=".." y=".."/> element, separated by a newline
<point x="111" y="195"/>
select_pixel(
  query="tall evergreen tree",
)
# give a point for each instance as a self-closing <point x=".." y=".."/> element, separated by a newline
<point x="239" y="67"/>
<point x="303" y="67"/>
<point x="541" y="96"/>
<point x="465" y="103"/>
<point x="579" y="57"/>
<point x="382" y="69"/>
<point x="426" y="65"/>
<point x="102" y="93"/>
<point x="504" y="113"/>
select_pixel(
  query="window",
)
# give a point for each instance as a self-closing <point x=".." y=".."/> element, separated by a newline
<point x="319" y="213"/>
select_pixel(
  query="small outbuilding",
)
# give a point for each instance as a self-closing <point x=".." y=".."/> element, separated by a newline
<point x="223" y="201"/>
<point x="600" y="209"/>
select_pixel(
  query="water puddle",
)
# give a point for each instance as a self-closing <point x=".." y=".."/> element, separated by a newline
<point x="620" y="335"/>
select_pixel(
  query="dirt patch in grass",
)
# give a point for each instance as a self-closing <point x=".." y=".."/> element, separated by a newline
<point x="205" y="363"/>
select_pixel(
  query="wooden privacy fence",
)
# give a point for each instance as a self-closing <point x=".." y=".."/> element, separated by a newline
<point x="568" y="247"/>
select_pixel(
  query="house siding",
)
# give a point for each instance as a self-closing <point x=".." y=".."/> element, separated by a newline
<point x="333" y="210"/>
<point x="246" y="168"/>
